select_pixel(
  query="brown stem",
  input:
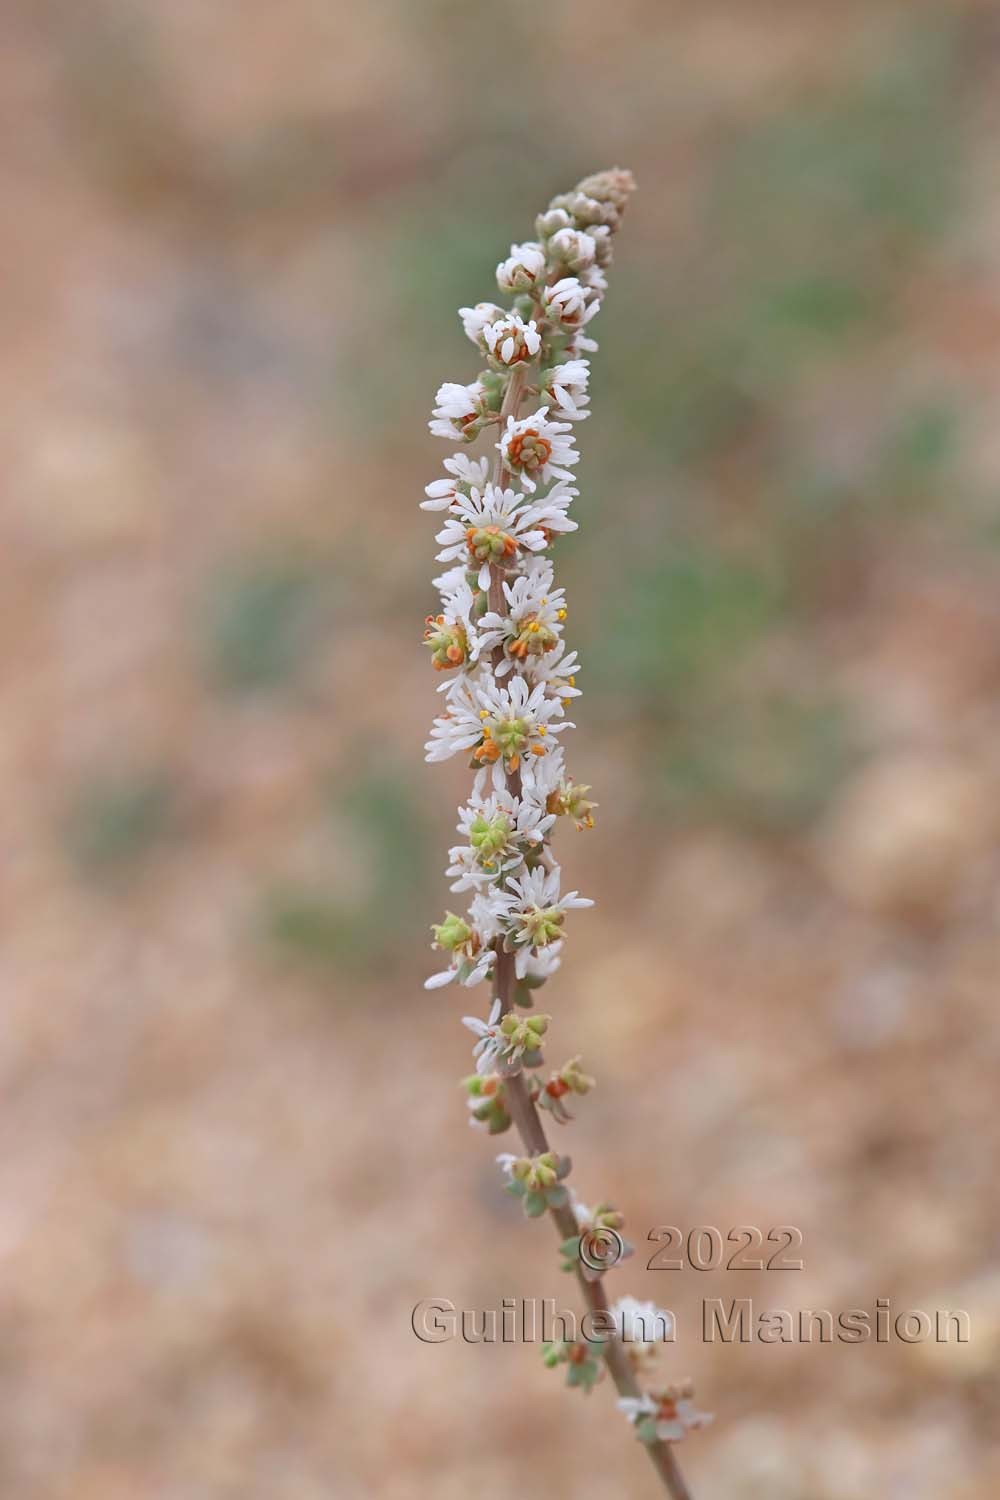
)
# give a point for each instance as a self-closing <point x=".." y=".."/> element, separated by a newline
<point x="529" y="1126"/>
<point x="522" y="1109"/>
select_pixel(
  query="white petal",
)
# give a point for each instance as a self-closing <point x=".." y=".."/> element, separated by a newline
<point x="670" y="1432"/>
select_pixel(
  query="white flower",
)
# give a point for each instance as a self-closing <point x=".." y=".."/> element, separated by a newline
<point x="505" y="1161"/>
<point x="543" y="964"/>
<point x="523" y="269"/>
<point x="595" y="281"/>
<point x="581" y="344"/>
<point x="490" y="1040"/>
<point x="451" y="634"/>
<point x="460" y="726"/>
<point x="533" y="624"/>
<point x="517" y="722"/>
<point x="556" y="671"/>
<point x="475" y="319"/>
<point x="466" y="474"/>
<point x="548" y="774"/>
<point x="510" y="340"/>
<point x="492" y="526"/>
<point x="496" y="1052"/>
<point x="672" y="1413"/>
<point x="603" y="246"/>
<point x="536" y="446"/>
<point x="448" y="581"/>
<point x="534" y="911"/>
<point x="566" y="385"/>
<point x="468" y="943"/>
<point x="479" y="970"/>
<point x="458" y="410"/>
<point x="575" y="248"/>
<point x="498" y="829"/>
<point x="642" y="1322"/>
<point x="549" y="515"/>
<point x="550" y="222"/>
<point x="634" y="1406"/>
<point x="637" y="1406"/>
<point x="568" y="303"/>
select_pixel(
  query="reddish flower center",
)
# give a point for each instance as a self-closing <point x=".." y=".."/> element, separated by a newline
<point x="529" y="450"/>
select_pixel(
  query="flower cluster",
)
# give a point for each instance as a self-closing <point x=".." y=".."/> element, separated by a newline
<point x="536" y="1180"/>
<point x="590" y="1223"/>
<point x="664" y="1416"/>
<point x="583" y="1359"/>
<point x="508" y="677"/>
<point x="506" y="1043"/>
<point x="497" y="635"/>
<point x="640" y="1326"/>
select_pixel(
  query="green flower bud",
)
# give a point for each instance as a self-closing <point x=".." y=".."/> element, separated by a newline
<point x="543" y="925"/>
<point x="446" y="642"/>
<point x="494" y="384"/>
<point x="488" y="836"/>
<point x="451" y="934"/>
<point x="571" y="800"/>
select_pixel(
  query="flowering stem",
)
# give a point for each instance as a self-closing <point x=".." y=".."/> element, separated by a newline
<point x="522" y="1110"/>
<point x="499" y="630"/>
<point x="532" y="1133"/>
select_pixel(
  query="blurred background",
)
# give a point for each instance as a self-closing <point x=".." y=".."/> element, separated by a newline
<point x="235" y="1152"/>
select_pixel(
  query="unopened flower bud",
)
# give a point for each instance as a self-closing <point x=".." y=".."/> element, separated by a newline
<point x="475" y="319"/>
<point x="616" y="185"/>
<point x="447" y="642"/>
<point x="570" y="799"/>
<point x="549" y="223"/>
<point x="573" y="248"/>
<point x="523" y="270"/>
<point x="587" y="211"/>
<point x="603" y="248"/>
<point x="451" y="934"/>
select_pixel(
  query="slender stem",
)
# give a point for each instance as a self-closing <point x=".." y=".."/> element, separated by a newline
<point x="522" y="1109"/>
<point x="510" y="408"/>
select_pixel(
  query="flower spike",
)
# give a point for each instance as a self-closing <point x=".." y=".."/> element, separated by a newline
<point x="496" y="640"/>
